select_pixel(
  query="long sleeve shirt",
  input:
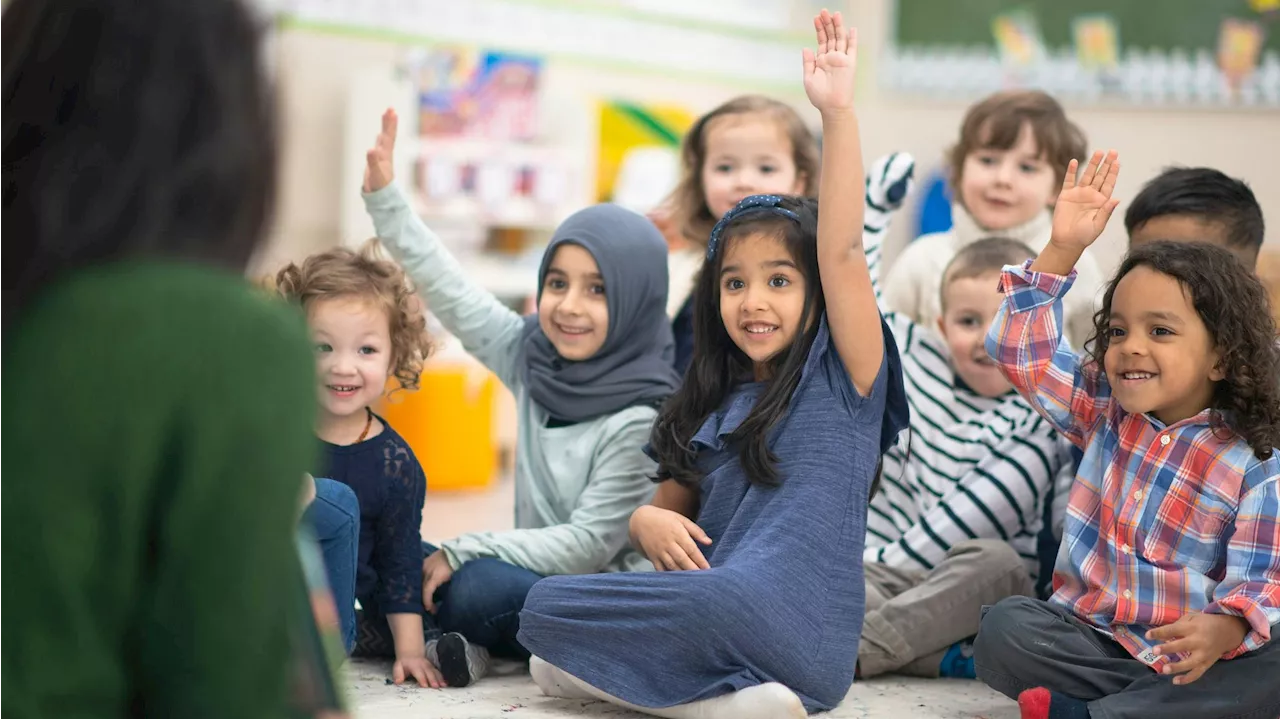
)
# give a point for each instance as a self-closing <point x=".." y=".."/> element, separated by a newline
<point x="1162" y="520"/>
<point x="972" y="467"/>
<point x="577" y="485"/>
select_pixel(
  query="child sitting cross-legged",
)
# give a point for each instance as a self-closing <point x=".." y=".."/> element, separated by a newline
<point x="961" y="497"/>
<point x="1167" y="584"/>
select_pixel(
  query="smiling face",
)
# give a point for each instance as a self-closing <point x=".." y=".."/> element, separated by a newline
<point x="572" y="310"/>
<point x="352" y="339"/>
<point x="1002" y="189"/>
<point x="969" y="305"/>
<point x="1160" y="357"/>
<point x="747" y="154"/>
<point x="762" y="295"/>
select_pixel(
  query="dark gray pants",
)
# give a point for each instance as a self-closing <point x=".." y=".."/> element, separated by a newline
<point x="1025" y="643"/>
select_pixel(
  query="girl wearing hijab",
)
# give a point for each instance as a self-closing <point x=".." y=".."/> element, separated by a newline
<point x="588" y="372"/>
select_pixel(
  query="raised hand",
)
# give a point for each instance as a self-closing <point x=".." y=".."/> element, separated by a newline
<point x="1084" y="207"/>
<point x="378" y="170"/>
<point x="830" y="73"/>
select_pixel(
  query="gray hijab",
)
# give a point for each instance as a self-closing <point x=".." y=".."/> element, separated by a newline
<point x="635" y="363"/>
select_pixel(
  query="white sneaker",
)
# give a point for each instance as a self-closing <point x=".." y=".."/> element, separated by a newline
<point x="459" y="661"/>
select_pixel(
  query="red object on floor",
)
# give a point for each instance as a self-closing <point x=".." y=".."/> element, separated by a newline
<point x="1034" y="703"/>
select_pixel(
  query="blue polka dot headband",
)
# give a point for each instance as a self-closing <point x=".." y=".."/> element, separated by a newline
<point x="770" y="204"/>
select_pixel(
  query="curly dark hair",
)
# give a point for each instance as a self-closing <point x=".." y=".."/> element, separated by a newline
<point x="1235" y="309"/>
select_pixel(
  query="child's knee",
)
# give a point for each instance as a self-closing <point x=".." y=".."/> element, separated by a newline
<point x="478" y="588"/>
<point x="994" y="554"/>
<point x="1003" y="626"/>
<point x="340" y="496"/>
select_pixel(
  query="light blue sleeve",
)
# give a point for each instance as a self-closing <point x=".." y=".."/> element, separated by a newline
<point x="488" y="329"/>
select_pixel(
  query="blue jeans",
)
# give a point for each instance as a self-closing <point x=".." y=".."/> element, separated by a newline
<point x="334" y="518"/>
<point x="482" y="602"/>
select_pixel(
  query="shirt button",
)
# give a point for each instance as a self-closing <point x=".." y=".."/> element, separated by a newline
<point x="1137" y="494"/>
<point x="1128" y="594"/>
<point x="1125" y="548"/>
<point x="1164" y="440"/>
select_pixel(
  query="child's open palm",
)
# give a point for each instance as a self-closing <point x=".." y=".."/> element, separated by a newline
<point x="378" y="170"/>
<point x="1083" y="207"/>
<point x="829" y="74"/>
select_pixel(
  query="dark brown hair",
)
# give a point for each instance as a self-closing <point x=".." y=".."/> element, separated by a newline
<point x="688" y="202"/>
<point x="365" y="275"/>
<point x="995" y="123"/>
<point x="1235" y="309"/>
<point x="141" y="129"/>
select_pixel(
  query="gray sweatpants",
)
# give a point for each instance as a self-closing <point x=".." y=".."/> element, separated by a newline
<point x="912" y="617"/>
<point x="1025" y="643"/>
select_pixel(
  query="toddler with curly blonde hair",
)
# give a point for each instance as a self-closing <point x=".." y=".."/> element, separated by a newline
<point x="367" y="326"/>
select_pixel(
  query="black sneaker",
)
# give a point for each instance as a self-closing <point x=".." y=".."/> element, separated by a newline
<point x="459" y="661"/>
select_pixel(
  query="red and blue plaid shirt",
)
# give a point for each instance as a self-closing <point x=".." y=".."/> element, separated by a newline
<point x="1162" y="520"/>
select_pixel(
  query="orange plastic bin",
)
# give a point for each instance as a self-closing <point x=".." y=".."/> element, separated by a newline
<point x="449" y="423"/>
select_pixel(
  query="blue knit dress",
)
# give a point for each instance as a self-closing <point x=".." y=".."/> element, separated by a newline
<point x="783" y="599"/>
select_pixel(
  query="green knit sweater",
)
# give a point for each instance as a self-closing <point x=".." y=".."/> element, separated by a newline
<point x="160" y="421"/>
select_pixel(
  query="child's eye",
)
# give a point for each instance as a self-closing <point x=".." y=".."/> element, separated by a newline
<point x="367" y="350"/>
<point x="323" y="347"/>
<point x="1029" y="169"/>
<point x="724" y="167"/>
<point x="1114" y="332"/>
<point x="969" y="322"/>
<point x="1161" y="332"/>
<point x="555" y="283"/>
<point x="597" y="289"/>
<point x="767" y="169"/>
<point x="734" y="283"/>
<point x="778" y="281"/>
<point x="986" y="159"/>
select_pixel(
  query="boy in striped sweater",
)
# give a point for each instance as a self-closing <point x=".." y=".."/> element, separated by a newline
<point x="961" y="498"/>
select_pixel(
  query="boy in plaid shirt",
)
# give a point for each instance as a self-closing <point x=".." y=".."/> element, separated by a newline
<point x="1167" y="584"/>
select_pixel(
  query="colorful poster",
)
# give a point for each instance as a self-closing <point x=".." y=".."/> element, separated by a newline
<point x="505" y="93"/>
<point x="1239" y="45"/>
<point x="443" y="77"/>
<point x="1017" y="35"/>
<point x="1097" y="39"/>
<point x="626" y="125"/>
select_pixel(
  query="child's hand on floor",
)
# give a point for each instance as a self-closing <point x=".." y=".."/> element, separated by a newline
<point x="829" y="75"/>
<point x="435" y="572"/>
<point x="668" y="539"/>
<point x="378" y="171"/>
<point x="1083" y="207"/>
<point x="420" y="669"/>
<point x="1204" y="638"/>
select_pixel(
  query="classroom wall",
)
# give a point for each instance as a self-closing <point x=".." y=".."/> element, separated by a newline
<point x="315" y="70"/>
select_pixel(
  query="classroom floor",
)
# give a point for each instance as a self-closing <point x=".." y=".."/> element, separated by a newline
<point x="509" y="692"/>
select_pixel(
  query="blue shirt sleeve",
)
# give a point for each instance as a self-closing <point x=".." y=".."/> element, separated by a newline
<point x="887" y="401"/>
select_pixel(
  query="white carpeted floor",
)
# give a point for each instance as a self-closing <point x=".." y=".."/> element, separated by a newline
<point x="509" y="693"/>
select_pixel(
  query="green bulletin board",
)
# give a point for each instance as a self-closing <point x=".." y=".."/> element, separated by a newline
<point x="1163" y="24"/>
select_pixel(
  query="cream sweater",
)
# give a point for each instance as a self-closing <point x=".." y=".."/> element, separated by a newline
<point x="913" y="285"/>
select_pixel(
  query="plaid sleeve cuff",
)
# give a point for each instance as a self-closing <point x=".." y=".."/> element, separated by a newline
<point x="1259" y="631"/>
<point x="1027" y="290"/>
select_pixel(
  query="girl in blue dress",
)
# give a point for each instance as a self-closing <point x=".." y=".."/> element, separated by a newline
<point x="765" y="458"/>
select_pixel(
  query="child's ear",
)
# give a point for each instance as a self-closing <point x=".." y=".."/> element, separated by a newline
<point x="1218" y="372"/>
<point x="942" y="327"/>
